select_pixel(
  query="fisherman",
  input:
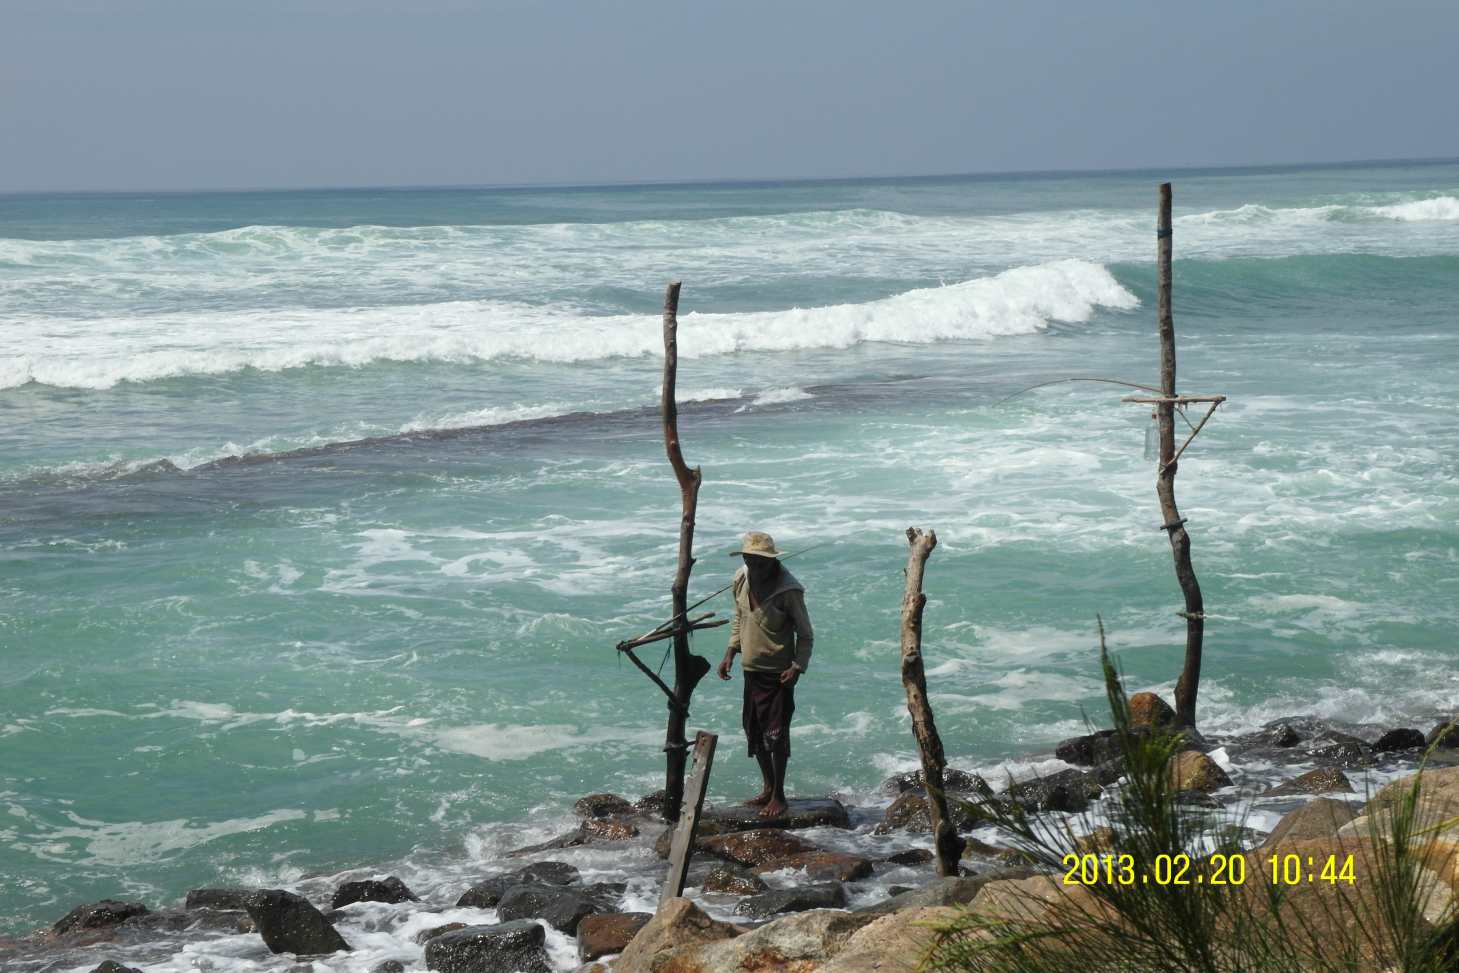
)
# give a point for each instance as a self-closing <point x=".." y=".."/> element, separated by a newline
<point x="772" y="634"/>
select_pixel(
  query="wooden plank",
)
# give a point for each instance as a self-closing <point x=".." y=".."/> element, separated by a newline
<point x="681" y="848"/>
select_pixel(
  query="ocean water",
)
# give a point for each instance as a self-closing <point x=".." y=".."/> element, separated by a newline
<point x="320" y="512"/>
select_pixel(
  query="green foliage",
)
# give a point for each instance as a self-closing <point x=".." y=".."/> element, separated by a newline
<point x="1393" y="917"/>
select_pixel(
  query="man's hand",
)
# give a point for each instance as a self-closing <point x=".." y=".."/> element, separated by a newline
<point x="789" y="676"/>
<point x="724" y="665"/>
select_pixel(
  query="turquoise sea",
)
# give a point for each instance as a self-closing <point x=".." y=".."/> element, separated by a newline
<point x="321" y="511"/>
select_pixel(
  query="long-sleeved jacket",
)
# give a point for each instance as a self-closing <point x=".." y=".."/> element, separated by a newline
<point x="777" y="633"/>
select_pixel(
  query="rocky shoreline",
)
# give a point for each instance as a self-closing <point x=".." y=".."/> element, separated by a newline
<point x="828" y="886"/>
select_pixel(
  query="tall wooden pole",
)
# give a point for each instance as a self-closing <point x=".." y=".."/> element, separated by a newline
<point x="948" y="844"/>
<point x="1180" y="544"/>
<point x="688" y="668"/>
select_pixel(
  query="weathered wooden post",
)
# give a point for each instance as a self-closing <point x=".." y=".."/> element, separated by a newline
<point x="948" y="844"/>
<point x="681" y="846"/>
<point x="688" y="668"/>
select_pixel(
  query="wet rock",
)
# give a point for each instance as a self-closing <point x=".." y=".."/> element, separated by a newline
<point x="509" y="947"/>
<point x="910" y="813"/>
<point x="575" y="838"/>
<point x="426" y="935"/>
<point x="1277" y="735"/>
<point x="559" y="906"/>
<point x="797" y="942"/>
<point x="1323" y="780"/>
<point x="1446" y="735"/>
<point x="953" y="781"/>
<point x="1195" y="798"/>
<point x="1068" y="790"/>
<point x="1400" y="739"/>
<point x="225" y="900"/>
<point x="753" y="848"/>
<point x="822" y="895"/>
<point x="821" y="866"/>
<point x="608" y="829"/>
<point x="1148" y="709"/>
<point x="549" y="873"/>
<point x="1337" y="749"/>
<point x="112" y="966"/>
<point x="391" y="890"/>
<point x="679" y="922"/>
<point x="1099" y="841"/>
<point x="1109" y="772"/>
<point x="729" y="881"/>
<point x="1191" y="770"/>
<point x="800" y="813"/>
<point x="288" y="923"/>
<point x="98" y="915"/>
<point x="607" y="934"/>
<point x="910" y="856"/>
<point x="973" y="848"/>
<point x="1315" y="819"/>
<point x="947" y="891"/>
<point x="895" y="890"/>
<point x="1090" y="749"/>
<point x="602" y="806"/>
<point x="488" y="892"/>
<point x="652" y="803"/>
<point x="388" y="966"/>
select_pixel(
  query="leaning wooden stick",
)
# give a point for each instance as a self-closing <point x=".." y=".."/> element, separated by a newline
<point x="1173" y="524"/>
<point x="949" y="846"/>
<point x="681" y="846"/>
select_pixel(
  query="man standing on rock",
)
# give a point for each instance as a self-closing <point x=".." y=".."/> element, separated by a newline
<point x="772" y="634"/>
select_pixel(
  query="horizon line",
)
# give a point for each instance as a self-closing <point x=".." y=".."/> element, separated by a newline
<point x="731" y="181"/>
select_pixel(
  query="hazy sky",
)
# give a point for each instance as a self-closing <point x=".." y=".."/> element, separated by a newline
<point x="178" y="94"/>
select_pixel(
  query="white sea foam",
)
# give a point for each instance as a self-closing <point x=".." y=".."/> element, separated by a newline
<point x="99" y="353"/>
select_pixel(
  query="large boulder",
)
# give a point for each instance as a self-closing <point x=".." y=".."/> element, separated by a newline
<point x="950" y="891"/>
<point x="112" y="966"/>
<point x="98" y="915"/>
<point x="731" y="881"/>
<point x="509" y="947"/>
<point x="489" y="891"/>
<point x="224" y="899"/>
<point x="1437" y="804"/>
<point x="1323" y="780"/>
<point x="954" y="781"/>
<point x="1067" y="790"/>
<point x="390" y="890"/>
<point x="910" y="812"/>
<point x="820" y="866"/>
<point x="561" y="907"/>
<point x="288" y="923"/>
<point x="894" y="943"/>
<point x="679" y="922"/>
<point x="1148" y="709"/>
<point x="604" y="935"/>
<point x="1315" y="819"/>
<point x="1192" y="770"/>
<point x="791" y="944"/>
<point x="602" y="806"/>
<point x="753" y="848"/>
<point x="1404" y="738"/>
<point x="426" y="935"/>
<point x="1090" y="749"/>
<point x="820" y="895"/>
<point x="1445" y="735"/>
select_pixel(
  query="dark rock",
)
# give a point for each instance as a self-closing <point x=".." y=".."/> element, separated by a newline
<point x="608" y="829"/>
<point x="288" y="923"/>
<point x="1337" y="749"/>
<point x="510" y="947"/>
<point x="1323" y="780"/>
<point x="1400" y="739"/>
<point x="112" y="966"/>
<point x="1090" y="749"/>
<point x="1446" y="735"/>
<point x="1108" y="772"/>
<point x="575" y="838"/>
<point x="226" y="900"/>
<point x="1067" y="790"/>
<point x="730" y="881"/>
<point x="754" y="847"/>
<point x="426" y="935"/>
<point x="605" y="935"/>
<point x="823" y="866"/>
<point x="98" y="915"/>
<point x="560" y="907"/>
<point x="801" y="813"/>
<point x="1148" y="709"/>
<point x="549" y="873"/>
<point x="826" y="895"/>
<point x="895" y="890"/>
<point x="1194" y="798"/>
<point x="391" y="890"/>
<point x="652" y="803"/>
<point x="910" y="856"/>
<point x="910" y="813"/>
<point x="953" y="781"/>
<point x="488" y="892"/>
<point x="601" y="806"/>
<point x="388" y="966"/>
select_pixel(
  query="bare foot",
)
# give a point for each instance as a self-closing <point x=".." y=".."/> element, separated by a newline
<point x="774" y="808"/>
<point x="759" y="799"/>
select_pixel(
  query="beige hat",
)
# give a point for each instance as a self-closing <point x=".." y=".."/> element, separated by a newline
<point x="758" y="543"/>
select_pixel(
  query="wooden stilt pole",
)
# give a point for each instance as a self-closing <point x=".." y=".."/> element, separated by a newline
<point x="1173" y="524"/>
<point x="949" y="846"/>
<point x="681" y="847"/>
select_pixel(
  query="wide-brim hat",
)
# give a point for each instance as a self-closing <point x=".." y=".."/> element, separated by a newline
<point x="758" y="543"/>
